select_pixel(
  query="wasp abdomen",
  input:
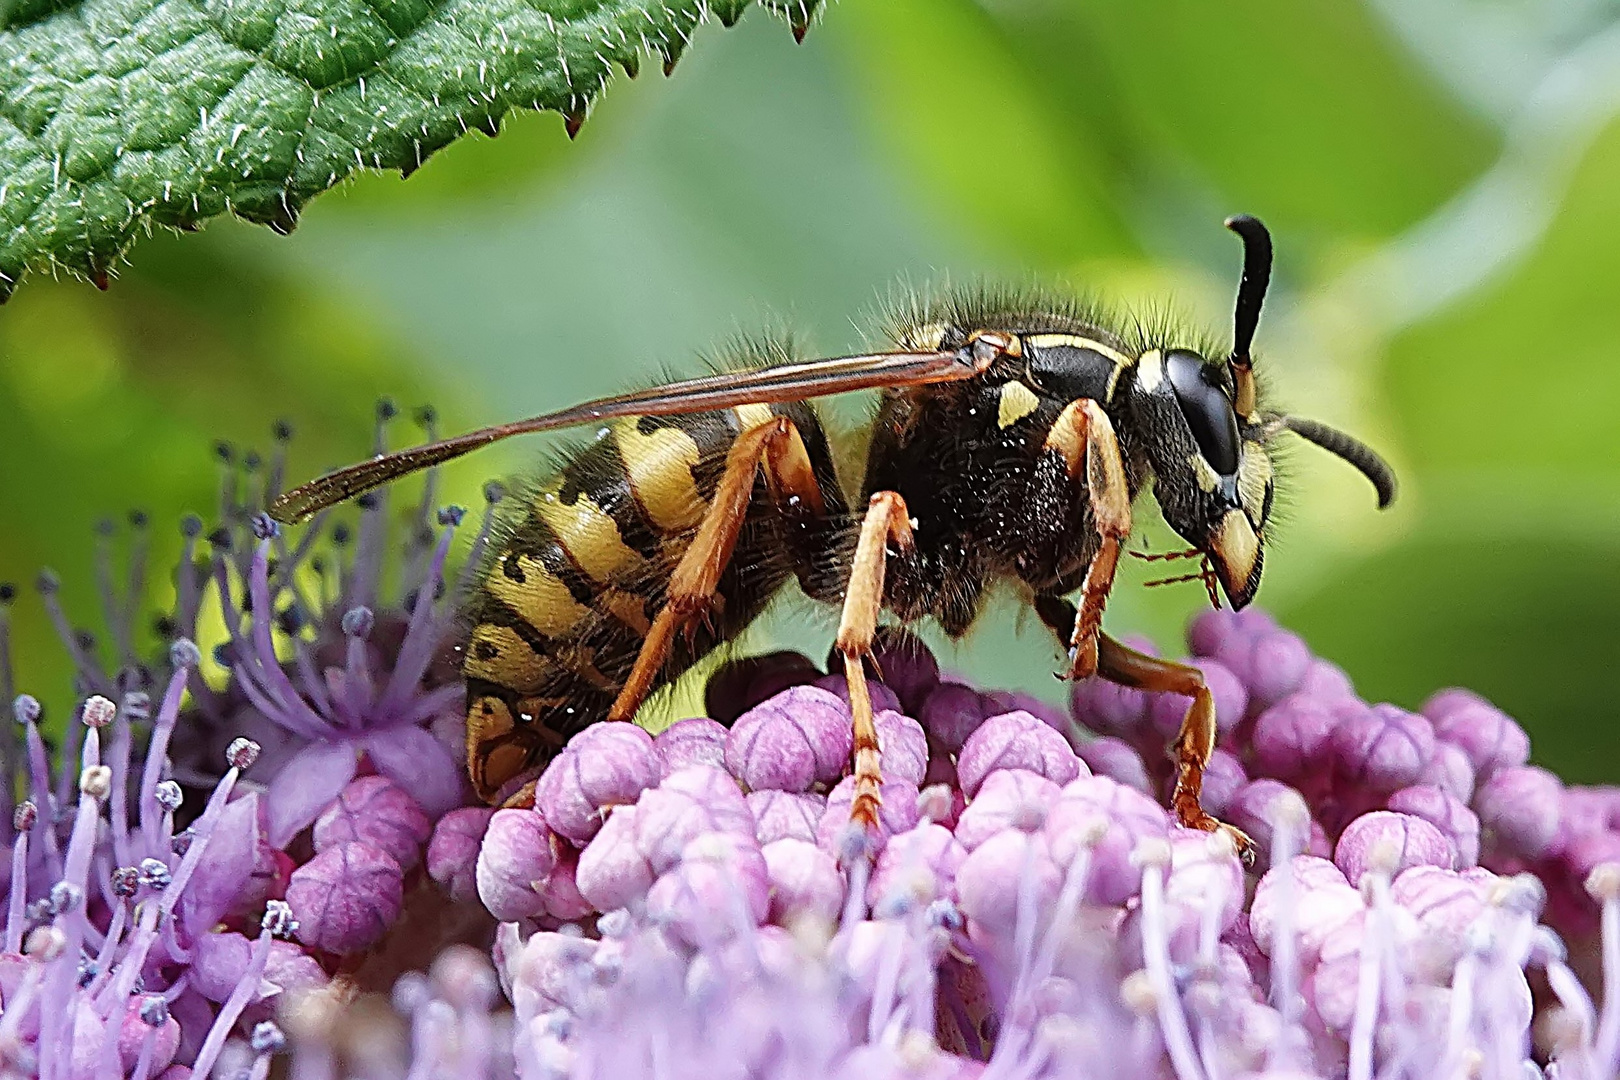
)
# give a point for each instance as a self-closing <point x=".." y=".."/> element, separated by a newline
<point x="573" y="586"/>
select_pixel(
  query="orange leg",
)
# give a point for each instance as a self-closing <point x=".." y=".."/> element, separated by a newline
<point x="1084" y="437"/>
<point x="887" y="520"/>
<point x="777" y="446"/>
<point x="1194" y="743"/>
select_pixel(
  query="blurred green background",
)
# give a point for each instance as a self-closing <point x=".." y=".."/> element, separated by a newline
<point x="1442" y="177"/>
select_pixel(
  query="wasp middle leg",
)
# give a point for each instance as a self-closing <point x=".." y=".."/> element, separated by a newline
<point x="887" y="521"/>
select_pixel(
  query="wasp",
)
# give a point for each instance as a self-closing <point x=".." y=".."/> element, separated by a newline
<point x="1012" y="436"/>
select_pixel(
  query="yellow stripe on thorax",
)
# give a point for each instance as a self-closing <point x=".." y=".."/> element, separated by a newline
<point x="659" y="464"/>
<point x="587" y="533"/>
<point x="540" y="598"/>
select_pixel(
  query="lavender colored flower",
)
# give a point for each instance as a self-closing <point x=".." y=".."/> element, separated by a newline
<point x="804" y="882"/>
<point x="1491" y="739"/>
<point x="695" y="741"/>
<point x="781" y="815"/>
<point x="1166" y="711"/>
<point x="1015" y="740"/>
<point x="374" y="809"/>
<point x="346" y="897"/>
<point x="452" y="853"/>
<point x="794" y="740"/>
<point x="1116" y="759"/>
<point x="1519" y="808"/>
<point x="606" y="765"/>
<point x="516" y="859"/>
<point x="1388" y="842"/>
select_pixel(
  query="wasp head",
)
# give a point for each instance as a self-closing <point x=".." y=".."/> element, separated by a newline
<point x="1206" y="436"/>
<point x="1213" y="476"/>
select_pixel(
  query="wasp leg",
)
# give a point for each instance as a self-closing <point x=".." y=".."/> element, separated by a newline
<point x="887" y="519"/>
<point x="776" y="445"/>
<point x="1084" y="438"/>
<point x="1194" y="743"/>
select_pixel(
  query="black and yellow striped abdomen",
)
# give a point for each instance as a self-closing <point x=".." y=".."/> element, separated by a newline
<point x="582" y="568"/>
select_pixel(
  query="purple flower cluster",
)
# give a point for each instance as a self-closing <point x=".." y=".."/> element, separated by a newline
<point x="144" y="864"/>
<point x="695" y="901"/>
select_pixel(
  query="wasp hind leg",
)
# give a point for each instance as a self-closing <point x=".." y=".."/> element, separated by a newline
<point x="1194" y="743"/>
<point x="777" y="446"/>
<point x="887" y="521"/>
<point x="1084" y="443"/>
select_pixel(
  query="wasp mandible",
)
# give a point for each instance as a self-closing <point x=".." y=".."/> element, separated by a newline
<point x="1013" y="433"/>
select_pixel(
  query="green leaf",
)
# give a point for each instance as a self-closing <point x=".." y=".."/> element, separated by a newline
<point x="118" y="115"/>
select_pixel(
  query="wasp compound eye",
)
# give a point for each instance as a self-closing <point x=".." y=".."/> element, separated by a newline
<point x="1208" y="409"/>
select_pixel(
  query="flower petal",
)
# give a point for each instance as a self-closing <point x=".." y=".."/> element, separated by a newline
<point x="305" y="785"/>
<point x="232" y="852"/>
<point x="412" y="758"/>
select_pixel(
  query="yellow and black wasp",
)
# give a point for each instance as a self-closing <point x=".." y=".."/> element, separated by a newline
<point x="1013" y="434"/>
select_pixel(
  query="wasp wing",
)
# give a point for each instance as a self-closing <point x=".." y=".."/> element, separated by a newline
<point x="781" y="383"/>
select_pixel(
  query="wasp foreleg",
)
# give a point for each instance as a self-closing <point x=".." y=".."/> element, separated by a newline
<point x="1194" y="743"/>
<point x="887" y="520"/>
<point x="1084" y="437"/>
<point x="777" y="446"/>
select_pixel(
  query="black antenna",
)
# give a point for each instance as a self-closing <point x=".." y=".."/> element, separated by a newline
<point x="1251" y="295"/>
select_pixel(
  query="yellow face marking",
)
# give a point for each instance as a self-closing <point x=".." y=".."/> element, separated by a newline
<point x="587" y="533"/>
<point x="540" y="598"/>
<point x="659" y="465"/>
<point x="1017" y="402"/>
<point x="1236" y="548"/>
<point x="750" y="417"/>
<point x="1254" y="472"/>
<point x="1204" y="473"/>
<point x="498" y="655"/>
<point x="1150" y="370"/>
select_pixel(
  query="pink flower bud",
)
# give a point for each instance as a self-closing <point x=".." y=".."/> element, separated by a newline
<point x="797" y="738"/>
<point x="1519" y="808"/>
<point x="346" y="897"/>
<point x="908" y="666"/>
<point x="902" y="746"/>
<point x="804" y="882"/>
<point x="1445" y="812"/>
<point x="612" y="873"/>
<point x="720" y="888"/>
<point x="992" y="878"/>
<point x="1291" y="739"/>
<point x="1383" y="748"/>
<point x="1008" y="799"/>
<point x="1117" y="760"/>
<point x="1490" y="737"/>
<point x="376" y="810"/>
<point x="607" y="764"/>
<point x="883" y="699"/>
<point x="561" y="893"/>
<point x="1322" y="902"/>
<point x="1107" y="820"/>
<point x="896" y="813"/>
<point x="952" y="712"/>
<point x="221" y="959"/>
<point x="779" y="815"/>
<point x="915" y="868"/>
<point x="518" y="855"/>
<point x="1389" y="843"/>
<point x="698" y="741"/>
<point x="452" y="854"/>
<point x="686" y="805"/>
<point x="1016" y="741"/>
